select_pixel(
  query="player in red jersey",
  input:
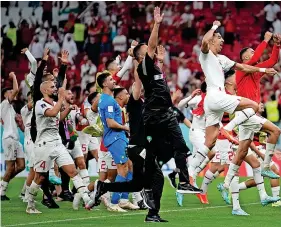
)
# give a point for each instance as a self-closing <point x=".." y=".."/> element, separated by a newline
<point x="248" y="86"/>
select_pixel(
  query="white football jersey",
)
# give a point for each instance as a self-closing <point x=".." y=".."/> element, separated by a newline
<point x="47" y="127"/>
<point x="198" y="122"/>
<point x="92" y="117"/>
<point x="214" y="68"/>
<point x="73" y="117"/>
<point x="26" y="118"/>
<point x="8" y="115"/>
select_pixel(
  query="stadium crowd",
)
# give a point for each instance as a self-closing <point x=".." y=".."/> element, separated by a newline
<point x="106" y="30"/>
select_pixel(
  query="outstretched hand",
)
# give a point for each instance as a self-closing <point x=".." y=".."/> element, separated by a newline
<point x="158" y="17"/>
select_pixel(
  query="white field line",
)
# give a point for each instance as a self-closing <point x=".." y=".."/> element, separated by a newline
<point x="118" y="215"/>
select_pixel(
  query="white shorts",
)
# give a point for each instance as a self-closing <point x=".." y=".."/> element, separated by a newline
<point x="12" y="149"/>
<point x="76" y="152"/>
<point x="218" y="102"/>
<point x="105" y="162"/>
<point x="224" y="153"/>
<point x="29" y="151"/>
<point x="197" y="138"/>
<point x="84" y="141"/>
<point x="46" y="154"/>
<point x="94" y="143"/>
<point x="250" y="127"/>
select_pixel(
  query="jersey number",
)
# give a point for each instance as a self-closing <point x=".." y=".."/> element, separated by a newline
<point x="43" y="165"/>
<point x="84" y="148"/>
<point x="103" y="165"/>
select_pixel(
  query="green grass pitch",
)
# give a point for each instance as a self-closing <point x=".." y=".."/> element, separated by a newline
<point x="216" y="214"/>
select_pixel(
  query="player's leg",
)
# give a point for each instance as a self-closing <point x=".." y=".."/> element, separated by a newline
<point x="10" y="169"/>
<point x="246" y="107"/>
<point x="275" y="186"/>
<point x="255" y="164"/>
<point x="174" y="135"/>
<point x="64" y="160"/>
<point x="93" y="147"/>
<point x="273" y="135"/>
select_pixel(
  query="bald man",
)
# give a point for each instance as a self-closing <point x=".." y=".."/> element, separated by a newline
<point x="48" y="145"/>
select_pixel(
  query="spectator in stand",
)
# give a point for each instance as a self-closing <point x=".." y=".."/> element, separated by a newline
<point x="79" y="34"/>
<point x="186" y="23"/>
<point x="42" y="33"/>
<point x="72" y="73"/>
<point x="25" y="35"/>
<point x="184" y="73"/>
<point x="230" y="29"/>
<point x="70" y="46"/>
<point x="12" y="33"/>
<point x="119" y="43"/>
<point x="197" y="48"/>
<point x="92" y="49"/>
<point x="271" y="11"/>
<point x="47" y="12"/>
<point x="102" y="65"/>
<point x="36" y="48"/>
<point x="277" y="24"/>
<point x="88" y="71"/>
<point x="197" y="5"/>
<point x="54" y="47"/>
<point x="168" y="15"/>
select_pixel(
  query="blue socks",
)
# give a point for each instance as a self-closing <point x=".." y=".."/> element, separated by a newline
<point x="117" y="195"/>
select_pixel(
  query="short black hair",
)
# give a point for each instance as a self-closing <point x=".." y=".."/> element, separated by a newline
<point x="108" y="62"/>
<point x="4" y="90"/>
<point x="204" y="87"/>
<point x="28" y="94"/>
<point x="229" y="73"/>
<point x="117" y="91"/>
<point x="242" y="52"/>
<point x="102" y="77"/>
<point x="89" y="86"/>
<point x="92" y="96"/>
<point x="136" y="49"/>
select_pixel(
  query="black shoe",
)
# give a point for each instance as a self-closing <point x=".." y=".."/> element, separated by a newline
<point x="172" y="179"/>
<point x="141" y="205"/>
<point x="148" y="199"/>
<point x="99" y="188"/>
<point x="154" y="218"/>
<point x="187" y="188"/>
<point x="4" y="198"/>
<point x="51" y="204"/>
<point x="66" y="196"/>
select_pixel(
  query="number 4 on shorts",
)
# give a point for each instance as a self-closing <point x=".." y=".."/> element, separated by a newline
<point x="43" y="165"/>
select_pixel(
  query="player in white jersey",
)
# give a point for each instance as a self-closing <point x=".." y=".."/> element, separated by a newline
<point x="26" y="113"/>
<point x="14" y="156"/>
<point x="217" y="101"/>
<point x="48" y="145"/>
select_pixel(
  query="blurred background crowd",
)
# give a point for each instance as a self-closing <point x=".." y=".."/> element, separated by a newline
<point x="106" y="30"/>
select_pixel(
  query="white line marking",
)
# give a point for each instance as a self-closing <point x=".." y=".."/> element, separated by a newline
<point x="123" y="215"/>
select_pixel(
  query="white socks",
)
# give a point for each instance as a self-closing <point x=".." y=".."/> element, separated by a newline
<point x="239" y="118"/>
<point x="198" y="159"/>
<point x="208" y="178"/>
<point x="202" y="166"/>
<point x="4" y="186"/>
<point x="275" y="191"/>
<point x="268" y="154"/>
<point x="84" y="174"/>
<point x="81" y="188"/>
<point x="242" y="186"/>
<point x="23" y="188"/>
<point x="234" y="186"/>
<point x="136" y="196"/>
<point x="33" y="190"/>
<point x="259" y="181"/>
<point x="233" y="169"/>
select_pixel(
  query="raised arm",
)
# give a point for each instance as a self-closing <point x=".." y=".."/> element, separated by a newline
<point x="15" y="91"/>
<point x="63" y="67"/>
<point x="161" y="51"/>
<point x="260" y="49"/>
<point x="153" y="39"/>
<point x="208" y="36"/>
<point x="31" y="59"/>
<point x="38" y="78"/>
<point x="251" y="69"/>
<point x="274" y="55"/>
